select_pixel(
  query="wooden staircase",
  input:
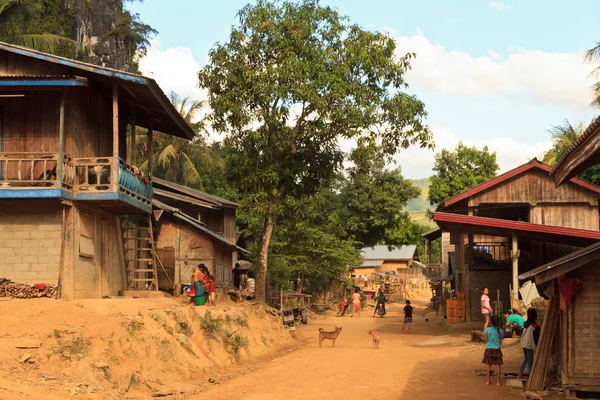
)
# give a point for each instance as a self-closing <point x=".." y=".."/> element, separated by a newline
<point x="140" y="255"/>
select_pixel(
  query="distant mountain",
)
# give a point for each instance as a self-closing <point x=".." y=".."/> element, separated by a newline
<point x="420" y="203"/>
<point x="417" y="207"/>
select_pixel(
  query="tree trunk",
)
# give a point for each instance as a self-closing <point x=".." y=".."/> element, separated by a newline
<point x="263" y="255"/>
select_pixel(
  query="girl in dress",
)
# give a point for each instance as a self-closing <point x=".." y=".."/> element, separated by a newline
<point x="493" y="352"/>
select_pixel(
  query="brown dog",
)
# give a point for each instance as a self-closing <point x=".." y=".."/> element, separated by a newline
<point x="329" y="335"/>
<point x="376" y="337"/>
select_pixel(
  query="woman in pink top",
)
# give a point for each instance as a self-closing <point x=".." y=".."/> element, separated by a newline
<point x="486" y="309"/>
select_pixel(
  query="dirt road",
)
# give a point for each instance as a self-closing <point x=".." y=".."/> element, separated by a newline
<point x="431" y="363"/>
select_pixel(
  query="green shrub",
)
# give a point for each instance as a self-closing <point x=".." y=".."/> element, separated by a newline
<point x="210" y="324"/>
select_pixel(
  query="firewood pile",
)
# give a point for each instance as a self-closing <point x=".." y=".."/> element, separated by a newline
<point x="23" y="291"/>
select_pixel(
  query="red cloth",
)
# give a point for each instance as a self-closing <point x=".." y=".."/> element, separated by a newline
<point x="40" y="286"/>
<point x="211" y="286"/>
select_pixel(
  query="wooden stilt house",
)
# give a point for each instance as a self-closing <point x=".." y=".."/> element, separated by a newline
<point x="569" y="345"/>
<point x="74" y="210"/>
<point x="511" y="224"/>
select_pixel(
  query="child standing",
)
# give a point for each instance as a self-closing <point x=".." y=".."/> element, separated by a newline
<point x="408" y="310"/>
<point x="529" y="340"/>
<point x="493" y="352"/>
<point x="212" y="292"/>
<point x="355" y="302"/>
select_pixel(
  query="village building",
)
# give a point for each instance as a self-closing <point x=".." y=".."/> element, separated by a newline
<point x="75" y="210"/>
<point x="194" y="227"/>
<point x="383" y="259"/>
<point x="569" y="344"/>
<point x="511" y="224"/>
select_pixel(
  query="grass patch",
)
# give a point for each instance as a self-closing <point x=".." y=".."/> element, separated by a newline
<point x="210" y="324"/>
<point x="242" y="320"/>
<point x="184" y="328"/>
<point x="133" y="327"/>
<point x="234" y="341"/>
<point x="66" y="349"/>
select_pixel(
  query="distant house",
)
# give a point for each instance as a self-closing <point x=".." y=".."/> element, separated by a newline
<point x="194" y="227"/>
<point x="381" y="259"/>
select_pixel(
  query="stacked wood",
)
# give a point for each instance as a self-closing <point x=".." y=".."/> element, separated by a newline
<point x="537" y="377"/>
<point x="23" y="291"/>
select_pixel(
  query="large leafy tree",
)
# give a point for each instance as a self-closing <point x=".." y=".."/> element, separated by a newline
<point x="294" y="79"/>
<point x="460" y="170"/>
<point x="373" y="198"/>
<point x="563" y="137"/>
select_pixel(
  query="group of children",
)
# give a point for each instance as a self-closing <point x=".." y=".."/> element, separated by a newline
<point x="493" y="348"/>
<point x="203" y="283"/>
<point x="380" y="299"/>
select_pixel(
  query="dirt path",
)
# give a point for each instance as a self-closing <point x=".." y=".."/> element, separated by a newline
<point x="432" y="363"/>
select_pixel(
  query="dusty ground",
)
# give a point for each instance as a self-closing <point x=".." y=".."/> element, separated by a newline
<point x="431" y="363"/>
<point x="127" y="348"/>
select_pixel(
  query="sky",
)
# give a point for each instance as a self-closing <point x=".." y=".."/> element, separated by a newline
<point x="495" y="73"/>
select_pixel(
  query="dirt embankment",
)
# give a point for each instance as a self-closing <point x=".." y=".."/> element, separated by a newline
<point x="126" y="348"/>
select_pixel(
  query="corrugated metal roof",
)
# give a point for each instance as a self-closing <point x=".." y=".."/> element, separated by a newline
<point x="589" y="131"/>
<point x="153" y="107"/>
<point x="371" y="263"/>
<point x="508" y="175"/>
<point x="382" y="252"/>
<point x="186" y="199"/>
<point x="576" y="235"/>
<point x="219" y="201"/>
<point x="196" y="224"/>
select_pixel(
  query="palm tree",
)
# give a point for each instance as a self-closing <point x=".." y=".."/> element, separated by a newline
<point x="563" y="137"/>
<point x="592" y="56"/>
<point x="13" y="15"/>
<point x="180" y="160"/>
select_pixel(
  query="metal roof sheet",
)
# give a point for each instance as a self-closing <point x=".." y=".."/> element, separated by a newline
<point x="219" y="201"/>
<point x="382" y="252"/>
<point x="196" y="224"/>
<point x="371" y="263"/>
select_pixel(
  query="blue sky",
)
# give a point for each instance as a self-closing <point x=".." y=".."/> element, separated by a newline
<point x="496" y="73"/>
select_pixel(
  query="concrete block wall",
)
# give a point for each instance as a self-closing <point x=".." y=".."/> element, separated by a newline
<point x="30" y="240"/>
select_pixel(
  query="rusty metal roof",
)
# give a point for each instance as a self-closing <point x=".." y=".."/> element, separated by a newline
<point x="198" y="194"/>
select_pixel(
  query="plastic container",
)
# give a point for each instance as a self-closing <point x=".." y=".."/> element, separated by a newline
<point x="200" y="300"/>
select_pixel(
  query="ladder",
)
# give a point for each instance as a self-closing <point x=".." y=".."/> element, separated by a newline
<point x="140" y="256"/>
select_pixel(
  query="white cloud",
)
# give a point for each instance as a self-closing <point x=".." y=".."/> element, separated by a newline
<point x="498" y="6"/>
<point x="175" y="69"/>
<point x="510" y="153"/>
<point x="493" y="54"/>
<point x="536" y="76"/>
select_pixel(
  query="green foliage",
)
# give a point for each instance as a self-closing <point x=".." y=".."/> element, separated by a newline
<point x="242" y="320"/>
<point x="234" y="340"/>
<point x="563" y="137"/>
<point x="210" y="324"/>
<point x="294" y="79"/>
<point x="460" y="170"/>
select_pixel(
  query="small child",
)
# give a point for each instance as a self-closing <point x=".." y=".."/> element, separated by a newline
<point x="344" y="306"/>
<point x="212" y="292"/>
<point x="493" y="352"/>
<point x="408" y="310"/>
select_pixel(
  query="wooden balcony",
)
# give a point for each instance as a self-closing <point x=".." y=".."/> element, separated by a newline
<point x="109" y="178"/>
<point x="22" y="172"/>
<point x="34" y="175"/>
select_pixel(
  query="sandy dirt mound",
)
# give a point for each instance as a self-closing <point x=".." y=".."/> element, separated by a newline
<point x="127" y="348"/>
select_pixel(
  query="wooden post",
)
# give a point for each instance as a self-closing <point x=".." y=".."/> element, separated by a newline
<point x="150" y="148"/>
<point x="132" y="147"/>
<point x="114" y="172"/>
<point x="515" y="266"/>
<point x="471" y="259"/>
<point x="61" y="141"/>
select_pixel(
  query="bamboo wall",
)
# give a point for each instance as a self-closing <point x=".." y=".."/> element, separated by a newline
<point x="582" y="327"/>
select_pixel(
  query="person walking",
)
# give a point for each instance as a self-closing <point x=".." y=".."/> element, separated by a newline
<point x="529" y="340"/>
<point x="408" y="311"/>
<point x="380" y="301"/>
